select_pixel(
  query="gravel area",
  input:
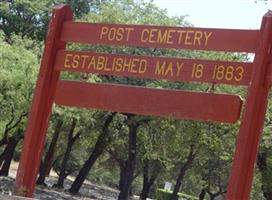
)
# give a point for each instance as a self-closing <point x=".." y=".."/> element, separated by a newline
<point x="89" y="191"/>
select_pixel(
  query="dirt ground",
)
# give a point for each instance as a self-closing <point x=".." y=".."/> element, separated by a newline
<point x="89" y="191"/>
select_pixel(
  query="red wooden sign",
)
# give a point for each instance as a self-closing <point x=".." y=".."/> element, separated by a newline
<point x="148" y="101"/>
<point x="161" y="37"/>
<point x="233" y="73"/>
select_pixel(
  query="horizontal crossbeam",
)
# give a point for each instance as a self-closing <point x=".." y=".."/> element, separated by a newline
<point x="147" y="101"/>
<point x="175" y="69"/>
<point x="161" y="37"/>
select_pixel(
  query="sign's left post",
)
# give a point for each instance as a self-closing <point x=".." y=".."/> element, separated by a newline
<point x="42" y="102"/>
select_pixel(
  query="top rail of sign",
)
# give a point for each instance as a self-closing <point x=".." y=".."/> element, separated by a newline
<point x="232" y="40"/>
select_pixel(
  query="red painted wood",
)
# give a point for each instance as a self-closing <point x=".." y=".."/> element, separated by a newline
<point x="234" y="73"/>
<point x="41" y="105"/>
<point x="253" y="119"/>
<point x="161" y="37"/>
<point x="146" y="101"/>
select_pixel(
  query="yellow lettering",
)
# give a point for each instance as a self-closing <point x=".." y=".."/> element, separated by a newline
<point x="111" y="34"/>
<point x="169" y="69"/>
<point x="92" y="63"/>
<point x="169" y="36"/>
<point x="100" y="63"/>
<point x="104" y="31"/>
<point x="197" y="71"/>
<point x="240" y="71"/>
<point x="198" y="37"/>
<point x="120" y="34"/>
<point x="152" y="35"/>
<point x="179" y="66"/>
<point x="118" y="64"/>
<point x="181" y="33"/>
<point x="219" y="72"/>
<point x="114" y="33"/>
<point x="229" y="73"/>
<point x="133" y="65"/>
<point x="106" y="68"/>
<point x="66" y="60"/>
<point x="76" y="59"/>
<point x="84" y="60"/>
<point x="159" y="68"/>
<point x="144" y="35"/>
<point x="128" y="32"/>
<point x="142" y="66"/>
<point x="207" y="36"/>
<point x="162" y="37"/>
<point x="126" y="65"/>
<point x="188" y="38"/>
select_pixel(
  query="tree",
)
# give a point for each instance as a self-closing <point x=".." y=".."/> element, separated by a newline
<point x="46" y="164"/>
<point x="31" y="18"/>
<point x="128" y="166"/>
<point x="18" y="63"/>
<point x="184" y="167"/>
<point x="26" y="18"/>
<point x="264" y="162"/>
<point x="9" y="152"/>
<point x="70" y="141"/>
<point x="98" y="149"/>
<point x="265" y="169"/>
<point x="151" y="171"/>
<point x="152" y="154"/>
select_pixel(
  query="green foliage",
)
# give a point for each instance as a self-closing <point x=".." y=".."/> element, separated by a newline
<point x="30" y="18"/>
<point x="24" y="17"/>
<point x="18" y="65"/>
<point x="132" y="12"/>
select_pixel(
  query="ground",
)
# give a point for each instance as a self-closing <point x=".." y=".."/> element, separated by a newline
<point x="89" y="191"/>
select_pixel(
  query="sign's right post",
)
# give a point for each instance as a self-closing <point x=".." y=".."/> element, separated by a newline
<point x="253" y="118"/>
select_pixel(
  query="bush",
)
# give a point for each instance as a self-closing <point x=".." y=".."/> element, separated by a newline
<point x="162" y="194"/>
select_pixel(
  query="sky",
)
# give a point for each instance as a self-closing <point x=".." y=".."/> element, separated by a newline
<point x="237" y="14"/>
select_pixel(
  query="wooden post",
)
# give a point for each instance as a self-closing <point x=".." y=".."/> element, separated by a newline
<point x="253" y="118"/>
<point x="41" y="105"/>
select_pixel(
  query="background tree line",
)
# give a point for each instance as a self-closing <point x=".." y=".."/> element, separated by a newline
<point x="135" y="154"/>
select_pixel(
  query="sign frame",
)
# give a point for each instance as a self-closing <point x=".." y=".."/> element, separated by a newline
<point x="62" y="29"/>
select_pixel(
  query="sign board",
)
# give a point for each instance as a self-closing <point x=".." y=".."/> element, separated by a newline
<point x="167" y="186"/>
<point x="226" y="108"/>
<point x="175" y="69"/>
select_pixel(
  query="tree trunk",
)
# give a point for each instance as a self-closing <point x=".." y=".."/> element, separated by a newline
<point x="12" y="124"/>
<point x="49" y="165"/>
<point x="9" y="152"/>
<point x="147" y="182"/>
<point x="213" y="196"/>
<point x="264" y="168"/>
<point x="183" y="169"/>
<point x="181" y="175"/>
<point x="3" y="141"/>
<point x="130" y="163"/>
<point x="122" y="174"/>
<point x="268" y="195"/>
<point x="99" y="148"/>
<point x="49" y="154"/>
<point x="146" y="189"/>
<point x="2" y="156"/>
<point x="70" y="142"/>
<point x="216" y="194"/>
<point x="202" y="195"/>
